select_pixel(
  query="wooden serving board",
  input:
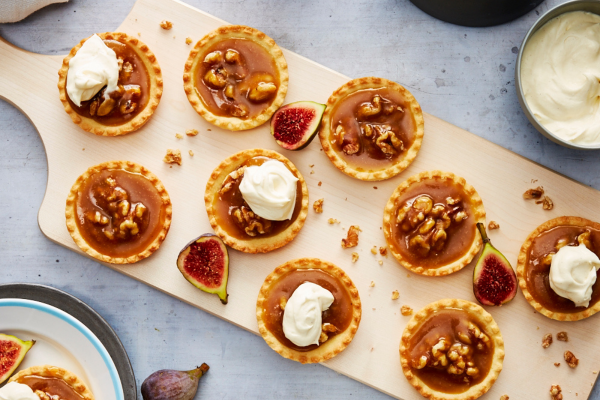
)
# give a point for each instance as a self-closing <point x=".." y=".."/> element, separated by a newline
<point x="29" y="82"/>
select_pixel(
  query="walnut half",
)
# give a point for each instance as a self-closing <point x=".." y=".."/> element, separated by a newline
<point x="571" y="359"/>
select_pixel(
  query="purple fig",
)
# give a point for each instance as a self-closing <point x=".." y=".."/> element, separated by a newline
<point x="295" y="125"/>
<point x="12" y="352"/>
<point x="168" y="384"/>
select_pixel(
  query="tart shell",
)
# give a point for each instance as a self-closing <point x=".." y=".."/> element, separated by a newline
<point x="331" y="347"/>
<point x="71" y="212"/>
<point x="523" y="260"/>
<point x="49" y="371"/>
<point x="391" y="208"/>
<point x="254" y="244"/>
<point x="487" y="324"/>
<point x="194" y="59"/>
<point x="403" y="161"/>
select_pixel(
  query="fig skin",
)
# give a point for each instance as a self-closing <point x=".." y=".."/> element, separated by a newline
<point x="292" y="111"/>
<point x="494" y="279"/>
<point x="168" y="384"/>
<point x="15" y="357"/>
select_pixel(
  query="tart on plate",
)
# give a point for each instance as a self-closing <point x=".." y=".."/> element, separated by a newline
<point x="430" y="223"/>
<point x="452" y="350"/>
<point x="335" y="327"/>
<point x="236" y="77"/>
<point x="235" y="217"/>
<point x="118" y="212"/>
<point x="50" y="383"/>
<point x="137" y="78"/>
<point x="372" y="128"/>
<point x="535" y="260"/>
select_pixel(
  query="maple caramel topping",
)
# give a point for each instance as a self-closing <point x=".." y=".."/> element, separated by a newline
<point x="54" y="388"/>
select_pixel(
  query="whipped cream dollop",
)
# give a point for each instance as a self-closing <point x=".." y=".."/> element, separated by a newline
<point x="303" y="314"/>
<point x="270" y="190"/>
<point x="17" y="391"/>
<point x="94" y="66"/>
<point x="560" y="74"/>
<point x="573" y="273"/>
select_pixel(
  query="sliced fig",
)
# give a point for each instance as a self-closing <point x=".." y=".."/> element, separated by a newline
<point x="168" y="384"/>
<point x="12" y="352"/>
<point x="204" y="262"/>
<point x="295" y="125"/>
<point x="494" y="279"/>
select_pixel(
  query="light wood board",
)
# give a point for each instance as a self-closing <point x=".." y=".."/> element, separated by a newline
<point x="29" y="82"/>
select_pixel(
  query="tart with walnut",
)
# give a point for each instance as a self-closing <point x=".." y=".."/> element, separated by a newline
<point x="430" y="223"/>
<point x="535" y="258"/>
<point x="236" y="77"/>
<point x="452" y="350"/>
<point x="232" y="218"/>
<point x="50" y="383"/>
<point x="129" y="107"/>
<point x="118" y="212"/>
<point x="340" y="321"/>
<point x="372" y="128"/>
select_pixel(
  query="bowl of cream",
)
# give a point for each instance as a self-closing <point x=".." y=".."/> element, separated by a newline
<point x="558" y="74"/>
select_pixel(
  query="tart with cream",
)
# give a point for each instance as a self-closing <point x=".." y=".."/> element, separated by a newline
<point x="452" y="350"/>
<point x="558" y="268"/>
<point x="236" y="77"/>
<point x="430" y="223"/>
<point x="256" y="200"/>
<point x="372" y="128"/>
<point x="50" y="383"/>
<point x="118" y="212"/>
<point x="308" y="310"/>
<point x="110" y="84"/>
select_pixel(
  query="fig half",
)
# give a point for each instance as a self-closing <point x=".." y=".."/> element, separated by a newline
<point x="295" y="125"/>
<point x="204" y="262"/>
<point x="168" y="384"/>
<point x="494" y="279"/>
<point x="12" y="352"/>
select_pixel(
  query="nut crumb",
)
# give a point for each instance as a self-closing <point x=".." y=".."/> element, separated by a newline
<point x="557" y="364"/>
<point x="333" y="221"/>
<point x="209" y="130"/>
<point x="504" y="397"/>
<point x="139" y="34"/>
<point x="547" y="204"/>
<point x="536" y="193"/>
<point x="178" y="136"/>
<point x="594" y="372"/>
<point x="493" y="225"/>
<point x="166" y="25"/>
<point x="318" y="206"/>
<point x="354" y="256"/>
<point x="374" y="250"/>
<point x="406" y="310"/>
<point x="311" y="165"/>
<point x="312" y="172"/>
<point x="556" y="392"/>
<point x="547" y="340"/>
<point x="562" y="336"/>
<point x="173" y="157"/>
<point x="191" y="132"/>
<point x="395" y="295"/>
<point x="571" y="360"/>
<point x="188" y="40"/>
<point x="372" y="284"/>
<point x="383" y="251"/>
<point x="191" y="153"/>
<point x="380" y="262"/>
<point x="375" y="187"/>
<point x="352" y="239"/>
<point x="320" y="183"/>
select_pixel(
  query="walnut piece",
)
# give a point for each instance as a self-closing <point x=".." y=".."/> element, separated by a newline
<point x="547" y="340"/>
<point x="370" y="109"/>
<point x="556" y="392"/>
<point x="352" y="239"/>
<point x="395" y="295"/>
<point x="406" y="310"/>
<point x="42" y="395"/>
<point x="173" y="156"/>
<point x="504" y="397"/>
<point x="318" y="206"/>
<point x="493" y="225"/>
<point x="216" y="78"/>
<point x="547" y="203"/>
<point x="562" y="336"/>
<point x="191" y="153"/>
<point x="571" y="360"/>
<point x="282" y="303"/>
<point x="374" y="250"/>
<point x="214" y="57"/>
<point x="372" y="284"/>
<point x="188" y="40"/>
<point x="262" y="92"/>
<point x="383" y="251"/>
<point x="178" y="136"/>
<point x="332" y="221"/>
<point x="166" y="25"/>
<point x="250" y="222"/>
<point x="354" y="256"/>
<point x="191" y="132"/>
<point x="534" y="193"/>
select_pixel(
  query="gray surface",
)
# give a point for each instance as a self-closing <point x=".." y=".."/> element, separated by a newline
<point x="463" y="75"/>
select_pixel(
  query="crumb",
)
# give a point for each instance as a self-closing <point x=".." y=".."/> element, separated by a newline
<point x="571" y="360"/>
<point x="320" y="183"/>
<point x="333" y="221"/>
<point x="372" y="284"/>
<point x="408" y="275"/>
<point x="191" y="153"/>
<point x="375" y="187"/>
<point x="174" y="36"/>
<point x="383" y="251"/>
<point x="374" y="309"/>
<point x="191" y="132"/>
<point x="318" y="206"/>
<point x="547" y="340"/>
<point x="562" y="336"/>
<point x="538" y="328"/>
<point x="188" y="40"/>
<point x="354" y="256"/>
<point x="139" y="34"/>
<point x="311" y="165"/>
<point x="166" y="25"/>
<point x="380" y="262"/>
<point x="372" y="348"/>
<point x="493" y="225"/>
<point x="173" y="157"/>
<point x="406" y="310"/>
<point x="178" y="136"/>
<point x="352" y="239"/>
<point x="504" y="397"/>
<point x="534" y="193"/>
<point x="594" y="372"/>
<point x="556" y="392"/>
<point x="83" y="149"/>
<point x="374" y="250"/>
<point x="547" y="203"/>
<point x="557" y="365"/>
<point x="395" y="295"/>
<point x="534" y="180"/>
<point x="312" y="172"/>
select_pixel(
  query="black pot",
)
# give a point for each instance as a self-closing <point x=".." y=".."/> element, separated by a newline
<point x="476" y="12"/>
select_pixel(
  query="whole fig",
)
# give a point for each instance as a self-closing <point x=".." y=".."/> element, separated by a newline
<point x="168" y="384"/>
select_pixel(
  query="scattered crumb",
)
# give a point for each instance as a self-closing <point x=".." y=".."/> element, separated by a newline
<point x="536" y="193"/>
<point x="375" y="187"/>
<point x="320" y="183"/>
<point x="333" y="221"/>
<point x="83" y="149"/>
<point x="406" y="310"/>
<point x="374" y="309"/>
<point x="534" y="180"/>
<point x="188" y="40"/>
<point x="493" y="225"/>
<point x="408" y="275"/>
<point x="191" y="132"/>
<point x="352" y="239"/>
<point x="372" y="284"/>
<point x="191" y="153"/>
<point x="178" y="136"/>
<point x="547" y="203"/>
<point x="557" y="364"/>
<point x="395" y="295"/>
<point x="547" y="340"/>
<point x="571" y="360"/>
<point x="311" y="165"/>
<point x="174" y="36"/>
<point x="538" y="328"/>
<point x="372" y="348"/>
<point x="312" y="172"/>
<point x="504" y="397"/>
<point x="139" y="34"/>
<point x="562" y="336"/>
<point x="594" y="372"/>
<point x="210" y="130"/>
<point x="166" y="25"/>
<point x="173" y="157"/>
<point x="380" y="262"/>
<point x="318" y="206"/>
<point x="354" y="256"/>
<point x="374" y="250"/>
<point x="383" y="251"/>
<point x="556" y="392"/>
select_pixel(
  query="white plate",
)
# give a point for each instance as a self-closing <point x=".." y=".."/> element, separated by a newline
<point x="62" y="341"/>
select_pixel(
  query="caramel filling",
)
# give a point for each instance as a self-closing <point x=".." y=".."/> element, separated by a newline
<point x="372" y="128"/>
<point x="237" y="78"/>
<point x="335" y="319"/>
<point x="539" y="259"/>
<point x="52" y="388"/>
<point x="119" y="213"/>
<point x="450" y="352"/>
<point x="433" y="224"/>
<point x="129" y="99"/>
<point x="237" y="218"/>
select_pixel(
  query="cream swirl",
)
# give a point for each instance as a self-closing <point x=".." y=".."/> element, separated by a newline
<point x="270" y="190"/>
<point x="573" y="273"/>
<point x="17" y="391"/>
<point x="303" y="314"/>
<point x="94" y="66"/>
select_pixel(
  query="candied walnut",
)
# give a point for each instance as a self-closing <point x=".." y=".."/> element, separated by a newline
<point x="127" y="107"/>
<point x="318" y="206"/>
<point x="546" y="202"/>
<point x="370" y="109"/>
<point x="493" y="225"/>
<point x="166" y="25"/>
<point x="323" y="338"/>
<point x="216" y="78"/>
<point x="191" y="153"/>
<point x="173" y="156"/>
<point x="233" y="57"/>
<point x="395" y="295"/>
<point x="251" y="223"/>
<point x="94" y="106"/>
<point x="42" y="395"/>
<point x="188" y="40"/>
<point x="534" y="193"/>
<point x="351" y="148"/>
<point x="383" y="251"/>
<point x="191" y="132"/>
<point x="126" y="71"/>
<point x="562" y="336"/>
<point x="406" y="310"/>
<point x="262" y="91"/>
<point x="240" y="110"/>
<point x="214" y="57"/>
<point x="571" y="360"/>
<point x="547" y="340"/>
<point x="352" y="239"/>
<point x="383" y="137"/>
<point x="229" y="91"/>
<point x="584" y="239"/>
<point x="330" y="328"/>
<point x="556" y="392"/>
<point x="282" y="303"/>
<point x="332" y="221"/>
<point x="106" y="107"/>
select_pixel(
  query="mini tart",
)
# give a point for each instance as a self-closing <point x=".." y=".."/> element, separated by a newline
<point x="218" y="206"/>
<point x="267" y="66"/>
<point x="533" y="267"/>
<point x="88" y="218"/>
<point x="149" y="78"/>
<point x="54" y="381"/>
<point x="399" y="111"/>
<point x="457" y="322"/>
<point x="293" y="274"/>
<point x="453" y="197"/>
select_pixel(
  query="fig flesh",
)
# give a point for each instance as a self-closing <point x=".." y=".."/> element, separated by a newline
<point x="12" y="352"/>
<point x="204" y="262"/>
<point x="494" y="279"/>
<point x="168" y="384"/>
<point x="295" y="125"/>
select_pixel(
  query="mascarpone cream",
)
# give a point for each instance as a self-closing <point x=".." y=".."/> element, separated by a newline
<point x="573" y="273"/>
<point x="17" y="391"/>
